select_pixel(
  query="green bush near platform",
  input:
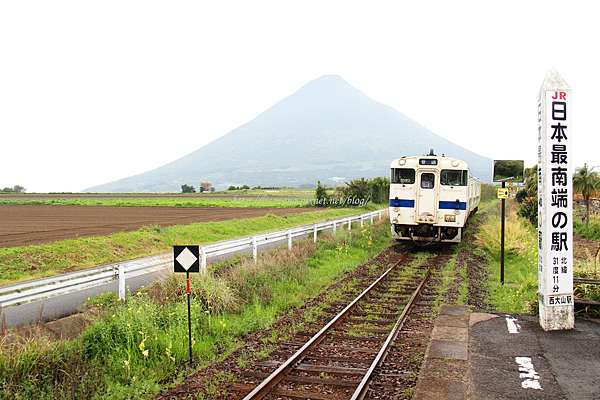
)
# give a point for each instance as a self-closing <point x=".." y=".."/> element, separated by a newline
<point x="519" y="293"/>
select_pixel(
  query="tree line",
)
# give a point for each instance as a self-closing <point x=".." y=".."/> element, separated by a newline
<point x="358" y="192"/>
<point x="14" y="189"/>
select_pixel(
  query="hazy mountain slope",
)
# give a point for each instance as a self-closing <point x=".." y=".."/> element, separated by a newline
<point x="326" y="129"/>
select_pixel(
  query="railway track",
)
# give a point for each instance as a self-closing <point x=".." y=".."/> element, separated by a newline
<point x="340" y="360"/>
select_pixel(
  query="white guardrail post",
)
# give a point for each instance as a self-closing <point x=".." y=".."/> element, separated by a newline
<point x="40" y="289"/>
<point x="121" y="282"/>
<point x="254" y="249"/>
<point x="202" y="259"/>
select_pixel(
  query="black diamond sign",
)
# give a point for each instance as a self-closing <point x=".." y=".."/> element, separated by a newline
<point x="186" y="258"/>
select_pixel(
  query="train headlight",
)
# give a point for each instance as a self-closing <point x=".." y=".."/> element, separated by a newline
<point x="450" y="218"/>
<point x="401" y="162"/>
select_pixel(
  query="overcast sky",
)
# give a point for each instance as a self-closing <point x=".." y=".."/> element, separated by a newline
<point x="95" y="91"/>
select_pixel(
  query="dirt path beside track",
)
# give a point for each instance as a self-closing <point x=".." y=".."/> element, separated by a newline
<point x="33" y="224"/>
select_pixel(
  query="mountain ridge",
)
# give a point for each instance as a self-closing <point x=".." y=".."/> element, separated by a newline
<point x="326" y="129"/>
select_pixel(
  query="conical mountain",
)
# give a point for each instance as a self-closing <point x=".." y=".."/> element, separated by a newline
<point x="327" y="130"/>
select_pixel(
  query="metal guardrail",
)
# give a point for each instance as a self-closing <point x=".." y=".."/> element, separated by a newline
<point x="40" y="289"/>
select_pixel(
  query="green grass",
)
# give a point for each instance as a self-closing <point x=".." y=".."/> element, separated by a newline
<point x="590" y="231"/>
<point x="137" y="347"/>
<point x="519" y="293"/>
<point x="28" y="262"/>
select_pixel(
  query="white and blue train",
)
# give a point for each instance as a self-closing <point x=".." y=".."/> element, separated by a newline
<point x="431" y="198"/>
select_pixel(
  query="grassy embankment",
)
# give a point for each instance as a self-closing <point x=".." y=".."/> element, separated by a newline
<point x="136" y="347"/>
<point x="519" y="293"/>
<point x="28" y="262"/>
<point x="454" y="281"/>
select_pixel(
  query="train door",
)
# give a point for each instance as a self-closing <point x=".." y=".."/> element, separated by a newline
<point x="427" y="197"/>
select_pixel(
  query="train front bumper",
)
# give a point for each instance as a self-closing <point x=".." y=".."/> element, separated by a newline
<point x="427" y="233"/>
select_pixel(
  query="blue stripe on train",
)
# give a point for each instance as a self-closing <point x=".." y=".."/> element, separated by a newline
<point x="402" y="203"/>
<point x="452" y="205"/>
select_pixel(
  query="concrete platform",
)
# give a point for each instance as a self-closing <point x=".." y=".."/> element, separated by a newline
<point x="445" y="371"/>
<point x="487" y="356"/>
<point x="531" y="363"/>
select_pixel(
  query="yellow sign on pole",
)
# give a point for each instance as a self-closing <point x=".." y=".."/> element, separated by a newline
<point x="502" y="193"/>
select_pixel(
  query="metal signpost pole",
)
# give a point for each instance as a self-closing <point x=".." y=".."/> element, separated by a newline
<point x="502" y="224"/>
<point x="187" y="259"/>
<point x="555" y="205"/>
<point x="189" y="312"/>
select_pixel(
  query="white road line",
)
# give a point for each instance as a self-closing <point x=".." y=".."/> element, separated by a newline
<point x="529" y="378"/>
<point x="512" y="325"/>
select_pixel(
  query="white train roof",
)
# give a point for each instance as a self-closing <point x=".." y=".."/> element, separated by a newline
<point x="443" y="162"/>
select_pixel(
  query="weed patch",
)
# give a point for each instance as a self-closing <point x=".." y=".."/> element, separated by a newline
<point x="590" y="231"/>
<point x="135" y="348"/>
<point x="519" y="293"/>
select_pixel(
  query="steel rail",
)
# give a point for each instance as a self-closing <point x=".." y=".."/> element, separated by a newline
<point x="363" y="387"/>
<point x="276" y="376"/>
<point x="586" y="281"/>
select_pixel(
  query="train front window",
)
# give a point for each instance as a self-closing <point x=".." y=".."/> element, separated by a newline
<point x="427" y="180"/>
<point x="454" y="177"/>
<point x="403" y="175"/>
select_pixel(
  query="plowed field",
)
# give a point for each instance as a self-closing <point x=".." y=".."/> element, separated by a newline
<point x="31" y="224"/>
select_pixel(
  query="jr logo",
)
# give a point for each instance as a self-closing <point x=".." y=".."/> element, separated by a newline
<point x="559" y="96"/>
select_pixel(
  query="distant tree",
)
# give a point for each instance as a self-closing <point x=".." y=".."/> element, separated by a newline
<point x="587" y="183"/>
<point x="379" y="189"/>
<point x="233" y="188"/>
<point x="245" y="187"/>
<point x="187" y="189"/>
<point x="14" y="189"/>
<point x="357" y="188"/>
<point x="212" y="188"/>
<point x="321" y="196"/>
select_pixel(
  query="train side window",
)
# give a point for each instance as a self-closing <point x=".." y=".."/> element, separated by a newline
<point x="403" y="175"/>
<point x="427" y="180"/>
<point x="454" y="177"/>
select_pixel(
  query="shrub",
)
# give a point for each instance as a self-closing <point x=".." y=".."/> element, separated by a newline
<point x="528" y="208"/>
<point x="321" y="196"/>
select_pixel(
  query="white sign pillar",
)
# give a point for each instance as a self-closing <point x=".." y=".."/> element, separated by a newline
<point x="555" y="205"/>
